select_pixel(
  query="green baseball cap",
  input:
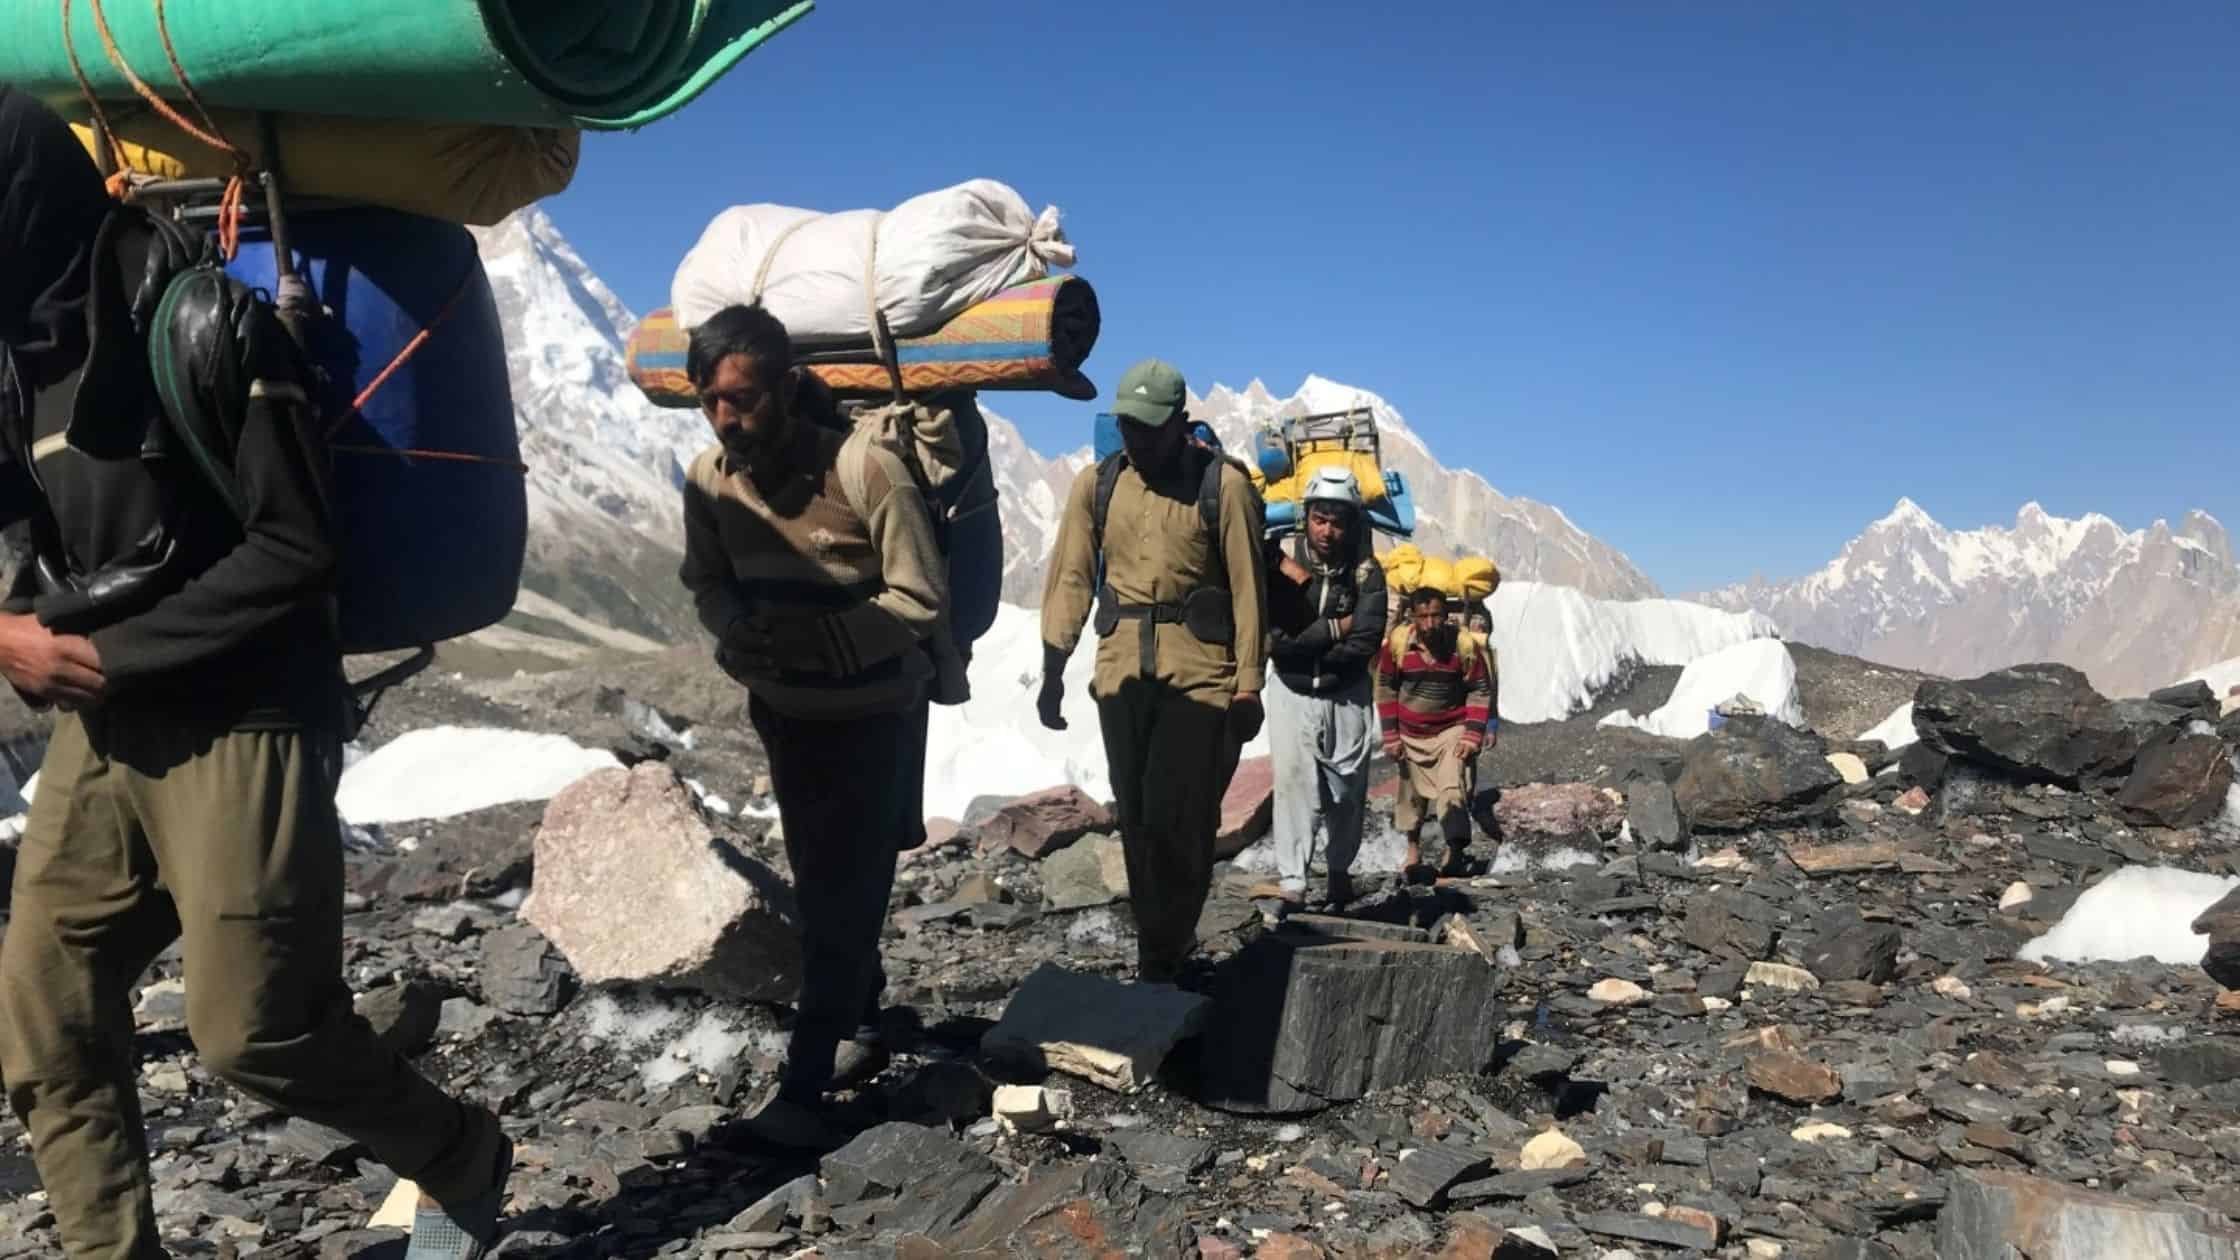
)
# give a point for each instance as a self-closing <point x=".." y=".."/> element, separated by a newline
<point x="1150" y="392"/>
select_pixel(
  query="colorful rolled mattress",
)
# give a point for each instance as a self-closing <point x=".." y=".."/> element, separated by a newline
<point x="1032" y="338"/>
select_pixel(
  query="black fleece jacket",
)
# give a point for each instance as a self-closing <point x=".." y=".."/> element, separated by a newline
<point x="1308" y="653"/>
<point x="234" y="630"/>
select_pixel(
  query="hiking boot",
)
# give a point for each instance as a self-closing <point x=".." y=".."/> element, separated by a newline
<point x="466" y="1230"/>
<point x="794" y="1126"/>
<point x="1457" y="863"/>
<point x="856" y="1062"/>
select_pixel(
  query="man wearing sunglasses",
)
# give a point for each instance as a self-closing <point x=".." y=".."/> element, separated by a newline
<point x="824" y="614"/>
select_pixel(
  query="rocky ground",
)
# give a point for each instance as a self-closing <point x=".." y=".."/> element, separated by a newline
<point x="1777" y="1013"/>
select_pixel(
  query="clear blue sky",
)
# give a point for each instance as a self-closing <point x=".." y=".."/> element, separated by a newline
<point x="1721" y="281"/>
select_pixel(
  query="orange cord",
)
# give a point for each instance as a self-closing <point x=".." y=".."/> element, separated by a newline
<point x="232" y="205"/>
<point x="403" y="356"/>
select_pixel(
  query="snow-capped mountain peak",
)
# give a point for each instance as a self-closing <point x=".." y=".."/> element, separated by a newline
<point x="2132" y="608"/>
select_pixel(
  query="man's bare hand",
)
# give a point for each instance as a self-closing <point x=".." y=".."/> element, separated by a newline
<point x="1294" y="570"/>
<point x="61" y="669"/>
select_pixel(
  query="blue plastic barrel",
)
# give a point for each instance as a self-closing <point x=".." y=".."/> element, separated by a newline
<point x="430" y="501"/>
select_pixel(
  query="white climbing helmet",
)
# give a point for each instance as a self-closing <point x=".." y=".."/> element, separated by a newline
<point x="1332" y="483"/>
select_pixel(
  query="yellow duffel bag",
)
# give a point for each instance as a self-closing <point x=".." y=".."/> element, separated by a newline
<point x="1478" y="577"/>
<point x="465" y="173"/>
<point x="1403" y="568"/>
<point x="1367" y="476"/>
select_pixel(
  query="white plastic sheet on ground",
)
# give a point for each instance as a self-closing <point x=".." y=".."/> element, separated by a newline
<point x="938" y="253"/>
<point x="2138" y="912"/>
<point x="445" y="771"/>
<point x="1761" y="669"/>
<point x="1897" y="730"/>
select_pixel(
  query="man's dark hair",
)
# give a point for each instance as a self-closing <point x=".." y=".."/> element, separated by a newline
<point x="1425" y="595"/>
<point x="749" y="330"/>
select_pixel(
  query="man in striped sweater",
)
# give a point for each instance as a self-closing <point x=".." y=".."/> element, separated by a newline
<point x="824" y="614"/>
<point x="1435" y="693"/>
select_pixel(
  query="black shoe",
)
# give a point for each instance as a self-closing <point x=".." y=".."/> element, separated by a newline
<point x="795" y="1126"/>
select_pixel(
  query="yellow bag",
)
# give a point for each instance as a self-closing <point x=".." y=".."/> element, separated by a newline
<point x="1403" y="566"/>
<point x="1367" y="477"/>
<point x="466" y="173"/>
<point x="1478" y="577"/>
<point x="1437" y="575"/>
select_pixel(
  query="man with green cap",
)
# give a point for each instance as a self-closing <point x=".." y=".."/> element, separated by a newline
<point x="1180" y="617"/>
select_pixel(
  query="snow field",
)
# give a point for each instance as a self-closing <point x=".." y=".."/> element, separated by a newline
<point x="1761" y="669"/>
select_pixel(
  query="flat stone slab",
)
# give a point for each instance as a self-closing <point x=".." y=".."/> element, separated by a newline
<point x="1108" y="1032"/>
<point x="1990" y="1215"/>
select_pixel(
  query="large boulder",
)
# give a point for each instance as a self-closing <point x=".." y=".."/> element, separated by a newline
<point x="632" y="887"/>
<point x="1991" y="1214"/>
<point x="2036" y="723"/>
<point x="1306" y="1019"/>
<point x="1041" y="824"/>
<point x="2179" y="780"/>
<point x="2194" y="699"/>
<point x="1756" y="774"/>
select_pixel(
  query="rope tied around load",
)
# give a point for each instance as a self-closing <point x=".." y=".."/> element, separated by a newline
<point x="233" y="201"/>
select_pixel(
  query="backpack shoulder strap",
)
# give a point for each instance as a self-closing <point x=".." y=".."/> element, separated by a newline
<point x="191" y="340"/>
<point x="854" y="466"/>
<point x="1100" y="506"/>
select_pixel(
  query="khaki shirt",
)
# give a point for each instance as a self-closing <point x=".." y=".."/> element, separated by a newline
<point x="1157" y="551"/>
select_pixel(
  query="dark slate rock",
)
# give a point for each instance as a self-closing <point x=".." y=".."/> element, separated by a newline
<point x="1722" y="922"/>
<point x="891" y="1157"/>
<point x="1993" y="1215"/>
<point x="1846" y="947"/>
<point x="2180" y="780"/>
<point x="1665" y="1231"/>
<point x="404" y="1015"/>
<point x="1653" y="816"/>
<point x="1519" y="1185"/>
<point x="1424" y="1176"/>
<point x="2038" y="723"/>
<point x="1146" y="1150"/>
<point x="2221" y="924"/>
<point x="1760" y="775"/>
<point x="2200" y="1061"/>
<point x="523" y="974"/>
<point x="1300" y="1022"/>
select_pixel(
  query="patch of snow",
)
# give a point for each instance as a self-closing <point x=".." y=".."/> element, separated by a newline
<point x="1760" y="669"/>
<point x="2146" y="1035"/>
<point x="1515" y="859"/>
<point x="1382" y="850"/>
<point x="2138" y="912"/>
<point x="445" y="771"/>
<point x="1557" y="647"/>
<point x="708" y="1047"/>
<point x="1896" y="730"/>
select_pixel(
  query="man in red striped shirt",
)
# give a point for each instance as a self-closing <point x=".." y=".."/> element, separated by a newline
<point x="1435" y="692"/>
